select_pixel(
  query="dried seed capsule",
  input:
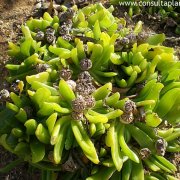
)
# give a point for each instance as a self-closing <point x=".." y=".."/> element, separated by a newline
<point x="40" y="36"/>
<point x="130" y="106"/>
<point x="50" y="38"/>
<point x="85" y="64"/>
<point x="42" y="67"/>
<point x="69" y="23"/>
<point x="4" y="94"/>
<point x="127" y="118"/>
<point x="63" y="30"/>
<point x="49" y="30"/>
<point x="66" y="15"/>
<point x="67" y="37"/>
<point x="76" y="115"/>
<point x="49" y="35"/>
<point x="89" y="101"/>
<point x="85" y="76"/>
<point x="65" y="74"/>
<point x="72" y="84"/>
<point x="84" y="88"/>
<point x="78" y="105"/>
<point x="144" y="153"/>
<point x="161" y="145"/>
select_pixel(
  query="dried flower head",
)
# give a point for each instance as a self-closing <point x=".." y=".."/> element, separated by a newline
<point x="63" y="30"/>
<point x="161" y="145"/>
<point x="49" y="30"/>
<point x="65" y="73"/>
<point x="40" y="36"/>
<point x="89" y="101"/>
<point x="127" y="118"/>
<point x="130" y="106"/>
<point x="50" y="38"/>
<point x="49" y="35"/>
<point x="85" y="76"/>
<point x="64" y="16"/>
<point x="67" y="37"/>
<point x="85" y="64"/>
<point x="84" y="88"/>
<point x="144" y="153"/>
<point x="77" y="115"/>
<point x="78" y="105"/>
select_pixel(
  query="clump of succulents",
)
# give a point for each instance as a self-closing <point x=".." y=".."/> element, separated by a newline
<point x="167" y="11"/>
<point x="91" y="98"/>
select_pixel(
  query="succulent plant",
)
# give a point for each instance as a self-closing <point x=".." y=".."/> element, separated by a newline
<point x="167" y="11"/>
<point x="80" y="111"/>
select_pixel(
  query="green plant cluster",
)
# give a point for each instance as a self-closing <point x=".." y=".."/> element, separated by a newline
<point x="92" y="98"/>
<point x="168" y="14"/>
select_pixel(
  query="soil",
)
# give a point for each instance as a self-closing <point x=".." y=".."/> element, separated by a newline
<point x="12" y="14"/>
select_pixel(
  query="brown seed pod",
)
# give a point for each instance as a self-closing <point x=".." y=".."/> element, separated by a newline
<point x="89" y="101"/>
<point x="49" y="35"/>
<point x="127" y="118"/>
<point x="78" y="105"/>
<point x="130" y="106"/>
<point x="39" y="36"/>
<point x="76" y="115"/>
<point x="65" y="74"/>
<point x="67" y="37"/>
<point x="50" y="38"/>
<point x="84" y="88"/>
<point x="85" y="64"/>
<point x="161" y="145"/>
<point x="64" y="16"/>
<point x="63" y="30"/>
<point x="49" y="30"/>
<point x="144" y="153"/>
<point x="85" y="76"/>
